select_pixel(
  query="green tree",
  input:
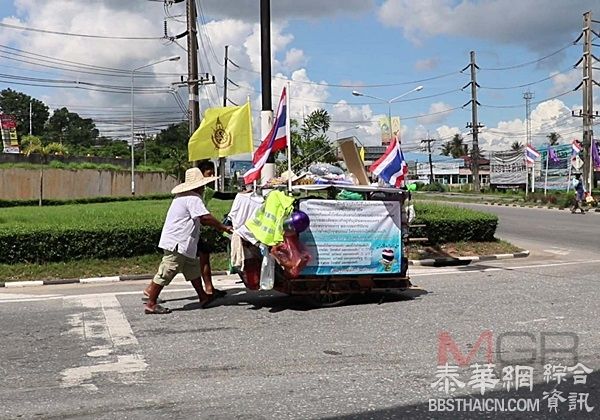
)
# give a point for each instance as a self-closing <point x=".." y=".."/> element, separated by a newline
<point x="310" y="143"/>
<point x="17" y="104"/>
<point x="33" y="145"/>
<point x="553" y="138"/>
<point x="455" y="147"/>
<point x="69" y="128"/>
<point x="516" y="146"/>
<point x="169" y="149"/>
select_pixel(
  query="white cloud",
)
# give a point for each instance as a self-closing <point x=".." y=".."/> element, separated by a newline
<point x="249" y="10"/>
<point x="536" y="23"/>
<point x="438" y="112"/>
<point x="294" y="58"/>
<point x="427" y="64"/>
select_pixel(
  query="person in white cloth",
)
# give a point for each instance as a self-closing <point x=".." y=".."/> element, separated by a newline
<point x="179" y="240"/>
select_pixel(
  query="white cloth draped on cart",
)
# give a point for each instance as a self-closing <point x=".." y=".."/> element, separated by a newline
<point x="243" y="208"/>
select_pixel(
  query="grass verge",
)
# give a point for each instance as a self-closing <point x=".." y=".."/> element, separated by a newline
<point x="147" y="264"/>
<point x="462" y="249"/>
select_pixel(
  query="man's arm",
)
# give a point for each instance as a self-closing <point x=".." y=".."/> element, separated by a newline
<point x="210" y="220"/>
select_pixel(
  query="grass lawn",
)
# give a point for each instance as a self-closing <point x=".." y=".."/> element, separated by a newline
<point x="145" y="264"/>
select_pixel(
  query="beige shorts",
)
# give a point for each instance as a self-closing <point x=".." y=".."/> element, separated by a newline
<point x="173" y="263"/>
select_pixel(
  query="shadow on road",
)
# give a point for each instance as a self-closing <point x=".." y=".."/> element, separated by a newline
<point x="278" y="302"/>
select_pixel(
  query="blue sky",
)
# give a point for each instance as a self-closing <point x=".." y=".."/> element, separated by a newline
<point x="382" y="48"/>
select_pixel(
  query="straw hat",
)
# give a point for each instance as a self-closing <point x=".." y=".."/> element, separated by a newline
<point x="193" y="179"/>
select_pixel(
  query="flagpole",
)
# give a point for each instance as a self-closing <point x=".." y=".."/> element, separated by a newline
<point x="526" y="178"/>
<point x="546" y="174"/>
<point x="288" y="133"/>
<point x="569" y="178"/>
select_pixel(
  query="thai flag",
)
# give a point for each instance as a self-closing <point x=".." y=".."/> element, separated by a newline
<point x="275" y="140"/>
<point x="391" y="167"/>
<point x="531" y="154"/>
<point x="576" y="147"/>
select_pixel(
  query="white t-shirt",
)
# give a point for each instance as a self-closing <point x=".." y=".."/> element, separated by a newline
<point x="182" y="225"/>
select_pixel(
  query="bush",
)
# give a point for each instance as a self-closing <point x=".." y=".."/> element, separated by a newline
<point x="453" y="224"/>
<point x="85" y="200"/>
<point x="107" y="230"/>
<point x="436" y="186"/>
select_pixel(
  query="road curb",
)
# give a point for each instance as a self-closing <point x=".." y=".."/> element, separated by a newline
<point x="434" y="262"/>
<point x="444" y="262"/>
<point x="87" y="280"/>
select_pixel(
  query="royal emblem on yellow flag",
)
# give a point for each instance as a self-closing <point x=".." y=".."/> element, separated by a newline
<point x="224" y="131"/>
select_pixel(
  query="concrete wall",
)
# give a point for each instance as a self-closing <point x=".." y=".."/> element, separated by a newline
<point x="24" y="184"/>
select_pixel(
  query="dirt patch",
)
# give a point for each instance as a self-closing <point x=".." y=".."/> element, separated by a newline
<point x="461" y="249"/>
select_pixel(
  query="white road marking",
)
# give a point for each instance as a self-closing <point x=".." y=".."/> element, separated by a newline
<point x="558" y="251"/>
<point x="506" y="268"/>
<point x="232" y="284"/>
<point x="103" y="327"/>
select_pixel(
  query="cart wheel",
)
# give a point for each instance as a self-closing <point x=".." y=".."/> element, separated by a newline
<point x="324" y="298"/>
<point x="327" y="301"/>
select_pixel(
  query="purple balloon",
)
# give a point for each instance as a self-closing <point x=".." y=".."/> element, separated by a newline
<point x="288" y="226"/>
<point x="300" y="221"/>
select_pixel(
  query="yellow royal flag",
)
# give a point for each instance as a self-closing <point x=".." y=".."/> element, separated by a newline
<point x="224" y="131"/>
<point x="362" y="153"/>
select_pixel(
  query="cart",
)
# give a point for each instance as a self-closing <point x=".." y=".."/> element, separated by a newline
<point x="356" y="246"/>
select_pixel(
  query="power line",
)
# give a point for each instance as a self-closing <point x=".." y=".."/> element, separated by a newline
<point x="46" y="31"/>
<point x="530" y="62"/>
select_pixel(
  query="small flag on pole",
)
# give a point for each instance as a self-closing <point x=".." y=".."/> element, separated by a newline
<point x="595" y="154"/>
<point x="274" y="141"/>
<point x="391" y="167"/>
<point x="576" y="147"/>
<point x="531" y="154"/>
<point x="552" y="156"/>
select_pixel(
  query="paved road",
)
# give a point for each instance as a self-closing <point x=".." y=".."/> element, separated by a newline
<point x="547" y="229"/>
<point x="89" y="352"/>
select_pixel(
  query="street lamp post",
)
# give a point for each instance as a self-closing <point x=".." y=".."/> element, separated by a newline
<point x="337" y="133"/>
<point x="389" y="102"/>
<point x="174" y="58"/>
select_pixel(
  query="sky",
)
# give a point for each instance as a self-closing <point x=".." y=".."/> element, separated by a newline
<point x="326" y="49"/>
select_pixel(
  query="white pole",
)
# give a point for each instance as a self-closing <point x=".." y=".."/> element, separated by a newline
<point x="526" y="178"/>
<point x="288" y="134"/>
<point x="132" y="138"/>
<point x="569" y="178"/>
<point x="30" y="116"/>
<point x="546" y="174"/>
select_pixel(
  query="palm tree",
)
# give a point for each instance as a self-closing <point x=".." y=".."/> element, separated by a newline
<point x="553" y="138"/>
<point x="516" y="146"/>
<point x="446" y="149"/>
<point x="459" y="149"/>
<point x="33" y="145"/>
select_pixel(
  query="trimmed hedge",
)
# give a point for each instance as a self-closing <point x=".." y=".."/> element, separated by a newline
<point x="126" y="229"/>
<point x="453" y="224"/>
<point x="107" y="230"/>
<point x="88" y="200"/>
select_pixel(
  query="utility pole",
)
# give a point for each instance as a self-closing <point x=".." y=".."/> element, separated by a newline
<point x="429" y="141"/>
<point x="528" y="96"/>
<point x="30" y="118"/>
<point x="222" y="160"/>
<point x="474" y="124"/>
<point x="587" y="83"/>
<point x="192" y="50"/>
<point x="266" y="115"/>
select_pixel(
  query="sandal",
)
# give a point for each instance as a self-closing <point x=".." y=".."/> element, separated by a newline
<point x="219" y="293"/>
<point x="211" y="298"/>
<point x="157" y="310"/>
